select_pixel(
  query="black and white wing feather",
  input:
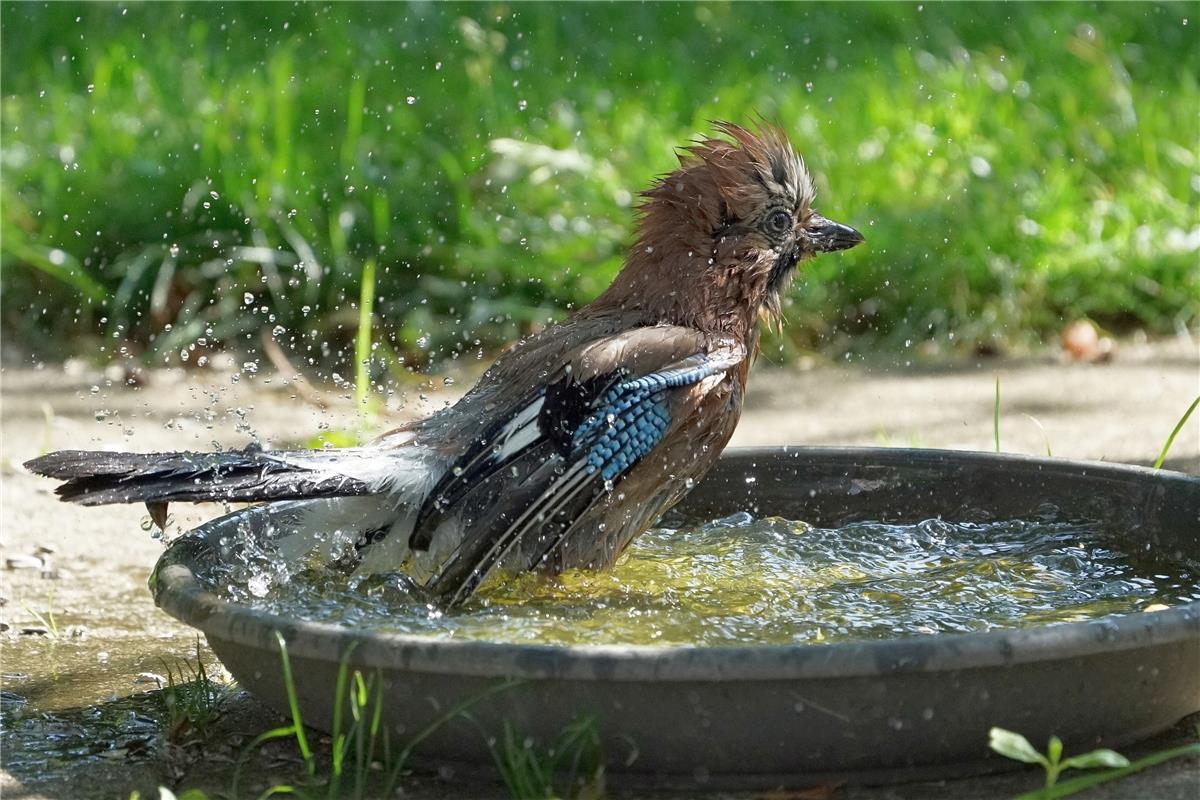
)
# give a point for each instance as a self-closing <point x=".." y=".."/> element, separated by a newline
<point x="525" y="483"/>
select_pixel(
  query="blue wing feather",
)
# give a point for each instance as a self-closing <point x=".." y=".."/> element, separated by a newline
<point x="593" y="431"/>
<point x="632" y="417"/>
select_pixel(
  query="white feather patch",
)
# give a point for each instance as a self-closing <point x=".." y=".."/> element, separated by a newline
<point x="328" y="528"/>
<point x="410" y="471"/>
<point x="522" y="431"/>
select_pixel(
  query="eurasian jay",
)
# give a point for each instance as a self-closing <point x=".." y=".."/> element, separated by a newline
<point x="577" y="439"/>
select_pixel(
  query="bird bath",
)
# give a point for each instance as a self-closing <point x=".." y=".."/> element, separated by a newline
<point x="865" y="710"/>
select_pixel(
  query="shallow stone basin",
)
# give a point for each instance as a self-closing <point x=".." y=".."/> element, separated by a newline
<point x="868" y="711"/>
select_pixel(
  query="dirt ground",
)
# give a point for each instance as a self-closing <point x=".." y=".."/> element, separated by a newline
<point x="78" y="718"/>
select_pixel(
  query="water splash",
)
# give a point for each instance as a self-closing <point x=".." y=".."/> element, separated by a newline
<point x="744" y="580"/>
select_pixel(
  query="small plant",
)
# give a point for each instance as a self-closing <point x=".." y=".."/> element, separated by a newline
<point x="191" y="700"/>
<point x="1015" y="746"/>
<point x="572" y="767"/>
<point x="46" y="620"/>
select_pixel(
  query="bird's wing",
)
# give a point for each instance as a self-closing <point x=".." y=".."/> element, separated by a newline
<point x="536" y="471"/>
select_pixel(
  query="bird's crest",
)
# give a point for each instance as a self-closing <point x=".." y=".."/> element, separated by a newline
<point x="747" y="170"/>
<point x="721" y="237"/>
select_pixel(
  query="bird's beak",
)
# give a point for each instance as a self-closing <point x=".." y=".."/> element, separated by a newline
<point x="829" y="236"/>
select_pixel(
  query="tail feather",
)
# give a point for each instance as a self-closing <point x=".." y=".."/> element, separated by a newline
<point x="96" y="478"/>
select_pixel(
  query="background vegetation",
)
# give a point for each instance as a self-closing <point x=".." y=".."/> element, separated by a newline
<point x="182" y="177"/>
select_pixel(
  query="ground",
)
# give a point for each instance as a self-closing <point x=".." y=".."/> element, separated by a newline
<point x="79" y="721"/>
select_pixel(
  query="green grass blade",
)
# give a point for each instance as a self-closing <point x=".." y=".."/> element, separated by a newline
<point x="62" y="267"/>
<point x="1171" y="439"/>
<point x="457" y="711"/>
<point x="289" y="684"/>
<point x="1045" y="436"/>
<point x="996" y="416"/>
<point x="337" y="735"/>
<point x="362" y="342"/>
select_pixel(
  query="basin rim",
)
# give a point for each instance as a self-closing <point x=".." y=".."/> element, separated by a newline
<point x="178" y="592"/>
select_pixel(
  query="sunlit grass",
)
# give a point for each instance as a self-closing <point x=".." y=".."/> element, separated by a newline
<point x="572" y="767"/>
<point x="192" y="700"/>
<point x="1166" y="448"/>
<point x="364" y="760"/>
<point x="162" y="163"/>
<point x="46" y="620"/>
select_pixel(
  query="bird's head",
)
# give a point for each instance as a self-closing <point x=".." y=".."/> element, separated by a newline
<point x="723" y="235"/>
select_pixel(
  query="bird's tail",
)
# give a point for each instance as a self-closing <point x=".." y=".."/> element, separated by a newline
<point x="97" y="477"/>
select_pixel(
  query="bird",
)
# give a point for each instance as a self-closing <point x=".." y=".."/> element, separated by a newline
<point x="576" y="439"/>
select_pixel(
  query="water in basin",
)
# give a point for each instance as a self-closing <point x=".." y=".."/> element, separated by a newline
<point x="745" y="580"/>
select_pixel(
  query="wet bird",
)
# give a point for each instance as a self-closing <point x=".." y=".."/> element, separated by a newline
<point x="578" y="438"/>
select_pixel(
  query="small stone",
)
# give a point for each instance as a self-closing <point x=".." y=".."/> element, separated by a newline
<point x="11" y="699"/>
<point x="150" y="677"/>
<point x="35" y="630"/>
<point x="48" y="570"/>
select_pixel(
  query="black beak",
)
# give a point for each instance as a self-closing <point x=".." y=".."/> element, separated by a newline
<point x="829" y="236"/>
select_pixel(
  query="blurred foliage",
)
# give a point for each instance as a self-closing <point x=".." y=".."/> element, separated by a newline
<point x="184" y="176"/>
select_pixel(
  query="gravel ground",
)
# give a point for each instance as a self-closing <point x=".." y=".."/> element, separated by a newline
<point x="109" y="631"/>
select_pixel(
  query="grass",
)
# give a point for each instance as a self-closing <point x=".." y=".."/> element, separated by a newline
<point x="996" y="416"/>
<point x="1166" y="448"/>
<point x="362" y="342"/>
<point x="571" y="767"/>
<point x="192" y="700"/>
<point x="191" y="174"/>
<point x="363" y="761"/>
<point x="47" y="619"/>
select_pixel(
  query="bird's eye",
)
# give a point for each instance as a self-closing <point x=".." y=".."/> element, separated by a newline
<point x="779" y="222"/>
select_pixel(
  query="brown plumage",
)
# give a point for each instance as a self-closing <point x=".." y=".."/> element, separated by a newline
<point x="577" y="439"/>
<point x="704" y="256"/>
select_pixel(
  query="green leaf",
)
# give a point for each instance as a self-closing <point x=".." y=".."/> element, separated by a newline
<point x="1097" y="758"/>
<point x="1084" y="782"/>
<point x="1014" y="746"/>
